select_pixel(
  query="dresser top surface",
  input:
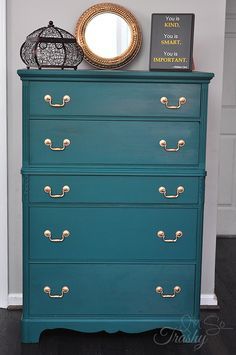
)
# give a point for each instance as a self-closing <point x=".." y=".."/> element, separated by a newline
<point x="133" y="75"/>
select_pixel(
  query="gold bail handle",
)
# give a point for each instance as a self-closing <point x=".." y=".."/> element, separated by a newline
<point x="47" y="290"/>
<point x="48" y="190"/>
<point x="159" y="289"/>
<point x="65" y="143"/>
<point x="165" y="101"/>
<point x="180" y="144"/>
<point x="65" y="100"/>
<point x="179" y="190"/>
<point x="161" y="234"/>
<point x="48" y="234"/>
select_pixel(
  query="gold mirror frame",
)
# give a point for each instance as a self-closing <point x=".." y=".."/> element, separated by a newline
<point x="118" y="61"/>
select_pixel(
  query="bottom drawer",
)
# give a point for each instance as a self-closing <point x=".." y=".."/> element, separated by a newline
<point x="111" y="289"/>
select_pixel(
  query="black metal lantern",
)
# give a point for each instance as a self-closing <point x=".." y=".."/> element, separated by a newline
<point x="51" y="47"/>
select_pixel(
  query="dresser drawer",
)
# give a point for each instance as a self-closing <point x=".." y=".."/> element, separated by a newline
<point x="113" y="142"/>
<point x="113" y="189"/>
<point x="121" y="289"/>
<point x="114" y="98"/>
<point x="115" y="233"/>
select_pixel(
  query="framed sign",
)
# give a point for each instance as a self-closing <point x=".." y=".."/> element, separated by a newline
<point x="172" y="42"/>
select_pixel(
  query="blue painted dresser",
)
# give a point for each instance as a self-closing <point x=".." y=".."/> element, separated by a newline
<point x="113" y="192"/>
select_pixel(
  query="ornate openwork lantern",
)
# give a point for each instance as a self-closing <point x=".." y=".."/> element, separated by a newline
<point x="51" y="47"/>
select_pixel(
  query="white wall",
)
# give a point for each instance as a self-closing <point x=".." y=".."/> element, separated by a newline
<point x="227" y="169"/>
<point x="3" y="160"/>
<point x="25" y="16"/>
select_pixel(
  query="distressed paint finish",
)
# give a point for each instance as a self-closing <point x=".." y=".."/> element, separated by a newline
<point x="113" y="259"/>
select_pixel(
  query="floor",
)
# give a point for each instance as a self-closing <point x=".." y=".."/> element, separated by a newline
<point x="218" y="327"/>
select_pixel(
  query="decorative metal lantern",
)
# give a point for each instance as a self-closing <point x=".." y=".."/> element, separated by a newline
<point x="51" y="47"/>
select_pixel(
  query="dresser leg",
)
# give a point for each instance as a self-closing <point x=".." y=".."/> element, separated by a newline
<point x="30" y="331"/>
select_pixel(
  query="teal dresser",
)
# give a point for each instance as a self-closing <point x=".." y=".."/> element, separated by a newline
<point x="113" y="192"/>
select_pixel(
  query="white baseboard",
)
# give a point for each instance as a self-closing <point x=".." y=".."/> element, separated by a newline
<point x="209" y="299"/>
<point x="15" y="299"/>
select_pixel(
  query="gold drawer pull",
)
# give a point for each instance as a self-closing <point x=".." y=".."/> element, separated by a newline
<point x="164" y="100"/>
<point x="180" y="144"/>
<point x="180" y="190"/>
<point x="47" y="289"/>
<point x="65" y="99"/>
<point x="159" y="289"/>
<point x="162" y="235"/>
<point x="48" y="142"/>
<point x="48" y="234"/>
<point x="48" y="190"/>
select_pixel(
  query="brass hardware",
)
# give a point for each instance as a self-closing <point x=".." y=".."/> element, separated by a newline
<point x="48" y="234"/>
<point x="48" y="190"/>
<point x="180" y="144"/>
<point x="164" y="100"/>
<point x="47" y="289"/>
<point x="180" y="190"/>
<point x="65" y="99"/>
<point x="162" y="235"/>
<point x="159" y="289"/>
<point x="48" y="142"/>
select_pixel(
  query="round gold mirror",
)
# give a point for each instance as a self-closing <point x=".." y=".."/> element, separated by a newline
<point x="109" y="36"/>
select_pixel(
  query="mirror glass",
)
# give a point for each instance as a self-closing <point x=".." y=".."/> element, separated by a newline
<point x="108" y="35"/>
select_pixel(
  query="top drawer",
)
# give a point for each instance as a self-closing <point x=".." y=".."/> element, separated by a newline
<point x="114" y="99"/>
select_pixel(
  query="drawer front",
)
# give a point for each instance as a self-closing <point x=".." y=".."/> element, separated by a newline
<point x="118" y="99"/>
<point x="113" y="189"/>
<point x="113" y="233"/>
<point x="121" y="289"/>
<point x="113" y="142"/>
